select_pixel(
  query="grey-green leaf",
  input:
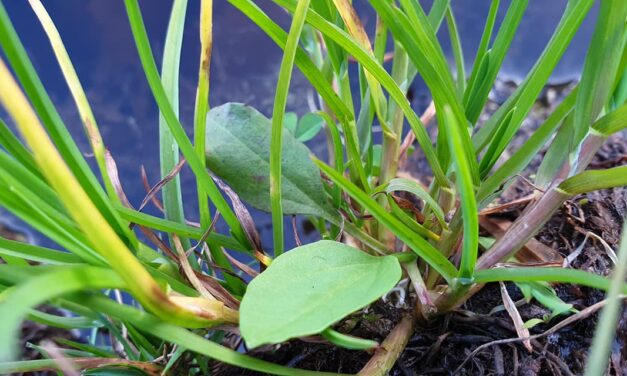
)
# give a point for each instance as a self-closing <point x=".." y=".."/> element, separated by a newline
<point x="238" y="151"/>
<point x="309" y="288"/>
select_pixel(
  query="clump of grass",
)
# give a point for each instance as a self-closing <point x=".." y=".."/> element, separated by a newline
<point x="191" y="289"/>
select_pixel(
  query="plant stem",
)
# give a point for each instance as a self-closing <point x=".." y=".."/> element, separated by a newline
<point x="386" y="355"/>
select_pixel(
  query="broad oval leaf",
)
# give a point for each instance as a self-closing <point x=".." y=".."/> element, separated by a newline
<point x="238" y="151"/>
<point x="306" y="290"/>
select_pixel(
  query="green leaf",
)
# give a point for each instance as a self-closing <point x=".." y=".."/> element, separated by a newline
<point x="308" y="127"/>
<point x="306" y="290"/>
<point x="546" y="296"/>
<point x="290" y="121"/>
<point x="238" y="151"/>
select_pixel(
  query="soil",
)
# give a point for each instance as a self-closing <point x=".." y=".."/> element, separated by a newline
<point x="444" y="346"/>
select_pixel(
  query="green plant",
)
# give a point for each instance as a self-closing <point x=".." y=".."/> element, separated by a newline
<point x="186" y="290"/>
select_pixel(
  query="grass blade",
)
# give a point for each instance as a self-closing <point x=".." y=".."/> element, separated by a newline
<point x="525" y="96"/>
<point x="477" y="92"/>
<point x="39" y="289"/>
<point x="168" y="147"/>
<point x="189" y="340"/>
<point x="370" y="64"/>
<point x="423" y="248"/>
<point x="561" y="275"/>
<point x="24" y="70"/>
<point x="600" y="68"/>
<point x="521" y="158"/>
<point x="202" y="100"/>
<point x="152" y="75"/>
<point x="593" y="180"/>
<point x="458" y="52"/>
<point x="280" y="102"/>
<point x="463" y="177"/>
<point x="93" y="225"/>
<point x="606" y="329"/>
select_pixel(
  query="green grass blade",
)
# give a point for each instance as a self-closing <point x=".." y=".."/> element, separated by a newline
<point x="612" y="122"/>
<point x="525" y="96"/>
<point x="600" y="68"/>
<point x="36" y="253"/>
<point x="180" y="229"/>
<point x="423" y="248"/>
<point x="370" y="64"/>
<point x="521" y="158"/>
<point x="438" y="12"/>
<point x="61" y="321"/>
<point x="556" y="155"/>
<point x="476" y="93"/>
<point x="486" y="36"/>
<point x="152" y="75"/>
<point x="606" y="329"/>
<point x="280" y="102"/>
<point x="168" y="147"/>
<point x="413" y="187"/>
<point x="458" y="52"/>
<point x="593" y="180"/>
<point x="306" y="66"/>
<point x="33" y="87"/>
<point x="14" y="146"/>
<point x="202" y="100"/>
<point x="192" y="342"/>
<point x="529" y="274"/>
<point x="39" y="289"/>
<point x="463" y="177"/>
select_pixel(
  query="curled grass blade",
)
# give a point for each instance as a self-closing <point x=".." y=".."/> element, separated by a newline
<point x="420" y="246"/>
<point x="413" y="187"/>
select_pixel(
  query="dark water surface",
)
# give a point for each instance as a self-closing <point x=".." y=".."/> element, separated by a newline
<point x="244" y="69"/>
